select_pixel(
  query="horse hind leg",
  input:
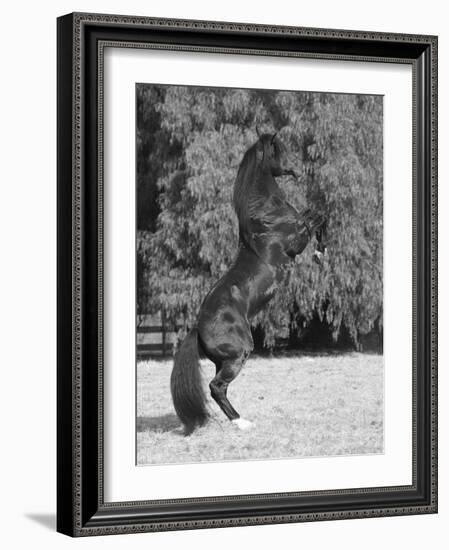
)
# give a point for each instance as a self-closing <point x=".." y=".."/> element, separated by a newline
<point x="227" y="371"/>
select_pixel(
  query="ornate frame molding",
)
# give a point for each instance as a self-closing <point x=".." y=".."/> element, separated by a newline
<point x="81" y="509"/>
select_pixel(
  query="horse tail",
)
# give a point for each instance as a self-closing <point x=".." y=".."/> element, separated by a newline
<point x="186" y="387"/>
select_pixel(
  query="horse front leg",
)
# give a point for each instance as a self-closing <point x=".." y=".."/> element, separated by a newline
<point x="308" y="224"/>
<point x="320" y="249"/>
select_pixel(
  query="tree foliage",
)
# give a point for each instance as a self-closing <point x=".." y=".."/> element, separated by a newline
<point x="190" y="142"/>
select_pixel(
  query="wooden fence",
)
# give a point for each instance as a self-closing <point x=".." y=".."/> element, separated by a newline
<point x="154" y="338"/>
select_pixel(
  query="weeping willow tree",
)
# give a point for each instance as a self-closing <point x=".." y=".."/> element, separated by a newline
<point x="190" y="142"/>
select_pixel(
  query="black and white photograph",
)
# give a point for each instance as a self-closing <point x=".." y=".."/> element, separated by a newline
<point x="259" y="274"/>
<point x="223" y="222"/>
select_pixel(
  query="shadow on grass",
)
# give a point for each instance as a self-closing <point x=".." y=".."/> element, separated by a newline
<point x="165" y="423"/>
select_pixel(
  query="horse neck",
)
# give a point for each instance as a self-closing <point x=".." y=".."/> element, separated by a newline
<point x="266" y="184"/>
<point x="253" y="179"/>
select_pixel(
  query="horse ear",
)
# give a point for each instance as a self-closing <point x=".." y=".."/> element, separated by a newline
<point x="273" y="138"/>
<point x="258" y="131"/>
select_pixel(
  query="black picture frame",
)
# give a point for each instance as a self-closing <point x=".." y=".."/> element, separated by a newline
<point x="81" y="509"/>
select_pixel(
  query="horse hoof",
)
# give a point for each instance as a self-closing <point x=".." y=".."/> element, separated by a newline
<point x="242" y="424"/>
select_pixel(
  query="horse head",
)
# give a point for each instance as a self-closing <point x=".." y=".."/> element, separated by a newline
<point x="274" y="156"/>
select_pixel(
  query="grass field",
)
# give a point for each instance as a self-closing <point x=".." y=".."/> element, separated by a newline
<point x="308" y="405"/>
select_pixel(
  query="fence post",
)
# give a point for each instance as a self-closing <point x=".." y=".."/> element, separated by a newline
<point x="163" y="333"/>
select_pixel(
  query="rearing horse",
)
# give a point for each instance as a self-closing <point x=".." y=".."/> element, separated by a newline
<point x="271" y="234"/>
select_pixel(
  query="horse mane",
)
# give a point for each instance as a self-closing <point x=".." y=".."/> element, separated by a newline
<point x="244" y="190"/>
<point x="243" y="186"/>
<point x="247" y="194"/>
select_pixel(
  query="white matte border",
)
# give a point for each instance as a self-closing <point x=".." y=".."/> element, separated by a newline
<point x="123" y="481"/>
